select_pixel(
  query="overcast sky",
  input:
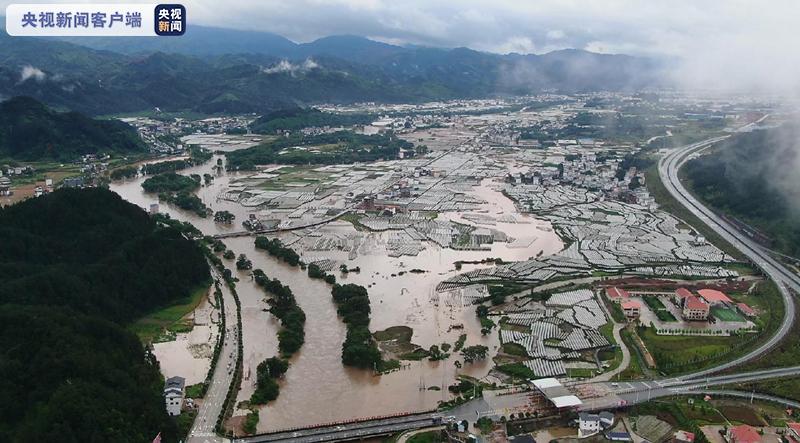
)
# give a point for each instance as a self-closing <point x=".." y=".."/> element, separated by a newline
<point x="724" y="41"/>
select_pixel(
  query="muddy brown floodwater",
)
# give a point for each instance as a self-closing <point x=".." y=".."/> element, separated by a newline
<point x="318" y="388"/>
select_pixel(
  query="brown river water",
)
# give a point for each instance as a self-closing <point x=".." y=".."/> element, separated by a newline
<point x="318" y="388"/>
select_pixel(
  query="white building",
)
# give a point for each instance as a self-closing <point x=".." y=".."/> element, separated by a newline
<point x="173" y="394"/>
<point x="588" y="424"/>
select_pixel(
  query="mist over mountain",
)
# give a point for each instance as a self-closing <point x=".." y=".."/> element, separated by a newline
<point x="213" y="70"/>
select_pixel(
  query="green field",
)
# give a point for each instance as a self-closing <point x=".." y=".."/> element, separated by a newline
<point x="726" y="314"/>
<point x="150" y="327"/>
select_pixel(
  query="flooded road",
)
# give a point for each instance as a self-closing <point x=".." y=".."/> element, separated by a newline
<point x="317" y="387"/>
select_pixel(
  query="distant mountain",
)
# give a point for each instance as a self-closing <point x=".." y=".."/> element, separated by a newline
<point x="30" y="131"/>
<point x="198" y="40"/>
<point x="213" y="70"/>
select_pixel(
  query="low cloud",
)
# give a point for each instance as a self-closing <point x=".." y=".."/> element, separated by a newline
<point x="29" y="72"/>
<point x="285" y="66"/>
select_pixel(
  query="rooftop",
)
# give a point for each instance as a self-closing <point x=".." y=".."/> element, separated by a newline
<point x="713" y="296"/>
<point x="631" y="304"/>
<point x="693" y="302"/>
<point x="745" y="434"/>
<point x="615" y="292"/>
<point x="683" y="292"/>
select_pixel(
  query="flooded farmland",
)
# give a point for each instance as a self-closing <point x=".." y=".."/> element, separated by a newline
<point x="318" y="388"/>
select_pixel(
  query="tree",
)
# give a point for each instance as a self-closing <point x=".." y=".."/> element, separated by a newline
<point x="474" y="353"/>
<point x="273" y="367"/>
<point x="229" y="255"/>
<point x="224" y="217"/>
<point x="243" y="263"/>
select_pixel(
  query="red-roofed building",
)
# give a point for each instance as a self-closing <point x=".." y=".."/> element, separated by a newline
<point x="695" y="309"/>
<point x="793" y="432"/>
<point x="746" y="310"/>
<point x="713" y="296"/>
<point x="631" y="308"/>
<point x="682" y="293"/>
<point x="743" y="434"/>
<point x="683" y="437"/>
<point x="616" y="294"/>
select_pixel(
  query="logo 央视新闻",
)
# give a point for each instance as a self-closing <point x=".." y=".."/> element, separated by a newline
<point x="170" y="19"/>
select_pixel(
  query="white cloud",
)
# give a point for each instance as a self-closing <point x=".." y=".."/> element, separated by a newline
<point x="29" y="72"/>
<point x="287" y="66"/>
<point x="719" y="42"/>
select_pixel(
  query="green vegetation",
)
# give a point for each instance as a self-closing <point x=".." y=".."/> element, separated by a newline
<point x="516" y="370"/>
<point x="359" y="348"/>
<point x="267" y="372"/>
<point x="688" y="418"/>
<point x="315" y="272"/>
<point x="124" y="172"/>
<point x="30" y="131"/>
<point x="68" y="290"/>
<point x="668" y="203"/>
<point x="197" y="156"/>
<point x="483" y="316"/>
<point x="299" y="118"/>
<point x="250" y="422"/>
<point x="335" y="148"/>
<point x="243" y="263"/>
<point x="176" y="189"/>
<point x="751" y="177"/>
<point x="225" y="217"/>
<point x="659" y="309"/>
<point x="460" y="342"/>
<point x="284" y="306"/>
<point x="275" y="248"/>
<point x="636" y="367"/>
<point x="677" y="354"/>
<point x="514" y="349"/>
<point x="474" y="353"/>
<point x="426" y="437"/>
<point x="149" y="327"/>
<point x="196" y="390"/>
<point x="398" y="333"/>
<point x="169" y="182"/>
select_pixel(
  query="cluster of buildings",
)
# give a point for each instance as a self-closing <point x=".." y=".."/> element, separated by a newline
<point x="163" y="135"/>
<point x="694" y="306"/>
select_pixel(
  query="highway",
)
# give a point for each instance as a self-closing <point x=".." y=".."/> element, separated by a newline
<point x="751" y="396"/>
<point x="668" y="167"/>
<point x="621" y="394"/>
<point x="203" y="427"/>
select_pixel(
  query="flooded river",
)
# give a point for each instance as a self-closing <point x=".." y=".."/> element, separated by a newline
<point x="317" y="387"/>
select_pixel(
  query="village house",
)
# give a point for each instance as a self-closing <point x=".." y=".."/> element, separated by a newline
<point x="743" y="434"/>
<point x="632" y="309"/>
<point x="173" y="394"/>
<point x="695" y="309"/>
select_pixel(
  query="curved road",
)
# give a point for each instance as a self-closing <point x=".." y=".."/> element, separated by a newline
<point x="668" y="168"/>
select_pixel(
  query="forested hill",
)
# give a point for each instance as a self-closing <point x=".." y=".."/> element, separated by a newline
<point x="754" y="177"/>
<point x="31" y="131"/>
<point x="225" y="71"/>
<point x="77" y="266"/>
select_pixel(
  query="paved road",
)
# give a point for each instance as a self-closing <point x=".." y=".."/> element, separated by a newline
<point x="350" y="431"/>
<point x="613" y="395"/>
<point x="784" y="278"/>
<point x="751" y="396"/>
<point x="626" y="353"/>
<point x="203" y="427"/>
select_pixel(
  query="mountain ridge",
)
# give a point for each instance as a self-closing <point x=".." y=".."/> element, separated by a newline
<point x="265" y="72"/>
